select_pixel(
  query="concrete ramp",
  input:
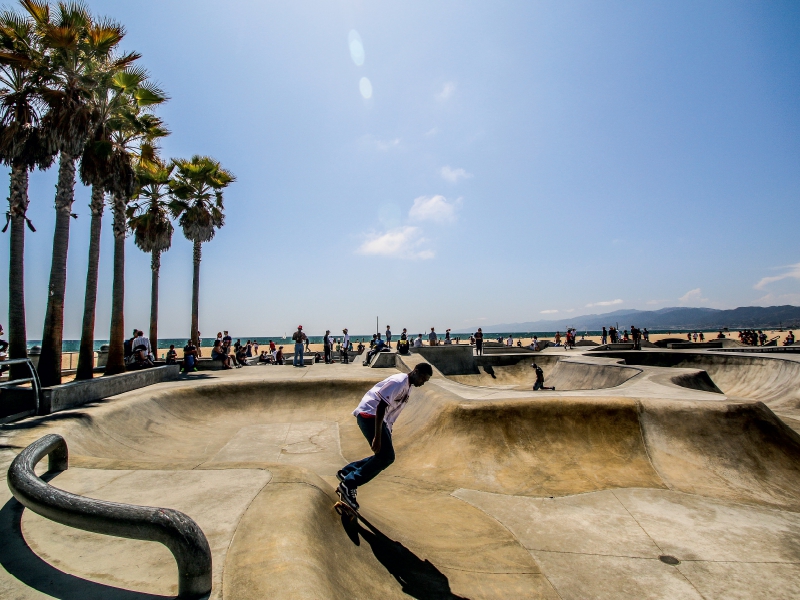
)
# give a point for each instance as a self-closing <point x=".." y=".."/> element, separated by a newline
<point x="566" y="374"/>
<point x="546" y="495"/>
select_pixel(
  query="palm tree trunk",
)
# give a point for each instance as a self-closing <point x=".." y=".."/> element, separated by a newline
<point x="155" y="266"/>
<point x="86" y="355"/>
<point x="116" y="351"/>
<point x="18" y="206"/>
<point x="50" y="359"/>
<point x="197" y="255"/>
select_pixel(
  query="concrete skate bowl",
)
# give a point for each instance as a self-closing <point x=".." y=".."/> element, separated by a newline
<point x="565" y="374"/>
<point x="454" y="516"/>
<point x="769" y="379"/>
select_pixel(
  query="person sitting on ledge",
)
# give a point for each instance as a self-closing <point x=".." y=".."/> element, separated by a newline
<point x="264" y="358"/>
<point x="218" y="353"/>
<point x="172" y="355"/>
<point x="279" y="360"/>
<point x="789" y="339"/>
<point x="418" y="341"/>
<point x="402" y="344"/>
<point x="378" y="347"/>
<point x="241" y="356"/>
<point x="189" y="357"/>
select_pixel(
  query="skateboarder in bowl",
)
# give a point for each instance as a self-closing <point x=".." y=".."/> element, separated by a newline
<point x="539" y="385"/>
<point x="377" y="412"/>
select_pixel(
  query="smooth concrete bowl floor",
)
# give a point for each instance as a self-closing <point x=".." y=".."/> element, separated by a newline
<point x="495" y="493"/>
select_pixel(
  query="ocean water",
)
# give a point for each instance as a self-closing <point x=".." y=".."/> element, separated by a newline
<point x="74" y="345"/>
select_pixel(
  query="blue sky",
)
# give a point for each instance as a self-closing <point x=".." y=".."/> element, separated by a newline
<point x="513" y="161"/>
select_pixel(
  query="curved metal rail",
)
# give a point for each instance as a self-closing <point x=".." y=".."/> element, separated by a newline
<point x="170" y="527"/>
<point x="13" y="383"/>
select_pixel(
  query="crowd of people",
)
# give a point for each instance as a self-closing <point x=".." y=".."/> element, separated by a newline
<point x="139" y="354"/>
<point x="751" y="337"/>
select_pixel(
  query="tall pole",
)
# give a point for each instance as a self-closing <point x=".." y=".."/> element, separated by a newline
<point x="377" y="327"/>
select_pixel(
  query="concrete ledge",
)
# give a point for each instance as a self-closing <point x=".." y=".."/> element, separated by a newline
<point x="693" y="346"/>
<point x="208" y="364"/>
<point x="384" y="360"/>
<point x="69" y="395"/>
<point x="452" y="359"/>
<point x="620" y="346"/>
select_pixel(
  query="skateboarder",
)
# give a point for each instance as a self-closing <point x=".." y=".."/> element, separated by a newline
<point x="377" y="412"/>
<point x="539" y="385"/>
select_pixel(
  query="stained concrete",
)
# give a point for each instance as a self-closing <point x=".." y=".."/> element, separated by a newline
<point x="495" y="492"/>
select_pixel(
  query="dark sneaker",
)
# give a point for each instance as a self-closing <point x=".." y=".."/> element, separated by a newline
<point x="348" y="495"/>
<point x="340" y="475"/>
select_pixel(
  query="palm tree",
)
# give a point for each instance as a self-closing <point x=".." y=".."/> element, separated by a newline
<point x="22" y="147"/>
<point x="76" y="44"/>
<point x="118" y="94"/>
<point x="149" y="219"/>
<point x="198" y="189"/>
<point x="133" y="146"/>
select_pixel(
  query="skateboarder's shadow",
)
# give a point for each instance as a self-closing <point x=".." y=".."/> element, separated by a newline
<point x="420" y="578"/>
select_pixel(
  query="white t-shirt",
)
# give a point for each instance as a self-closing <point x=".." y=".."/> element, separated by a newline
<point x="418" y="342"/>
<point x="509" y="342"/>
<point x="346" y="341"/>
<point x="141" y="341"/>
<point x="393" y="391"/>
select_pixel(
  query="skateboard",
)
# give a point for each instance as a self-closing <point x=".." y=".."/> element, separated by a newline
<point x="344" y="509"/>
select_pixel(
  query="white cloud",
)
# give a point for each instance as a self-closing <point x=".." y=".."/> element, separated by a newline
<point x="434" y="208"/>
<point x="447" y="90"/>
<point x="694" y="295"/>
<point x="570" y="310"/>
<point x="549" y="312"/>
<point x="453" y="175"/>
<point x="400" y="242"/>
<point x="605" y="303"/>
<point x="772" y="299"/>
<point x="372" y="142"/>
<point x="432" y="131"/>
<point x="792" y="273"/>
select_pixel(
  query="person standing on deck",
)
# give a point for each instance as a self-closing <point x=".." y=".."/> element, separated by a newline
<point x="299" y="337"/>
<point x="327" y="344"/>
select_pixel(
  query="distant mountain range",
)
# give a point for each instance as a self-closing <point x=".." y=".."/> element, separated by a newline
<point x="745" y="317"/>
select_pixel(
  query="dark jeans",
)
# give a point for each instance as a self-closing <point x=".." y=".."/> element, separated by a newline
<point x="328" y="355"/>
<point x="363" y="471"/>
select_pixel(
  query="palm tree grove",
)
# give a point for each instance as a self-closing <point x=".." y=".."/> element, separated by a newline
<point x="71" y="99"/>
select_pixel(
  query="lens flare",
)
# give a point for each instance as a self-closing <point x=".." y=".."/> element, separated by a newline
<point x="356" y="47"/>
<point x="365" y="86"/>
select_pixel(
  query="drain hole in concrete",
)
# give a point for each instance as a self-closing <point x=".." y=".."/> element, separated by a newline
<point x="670" y="560"/>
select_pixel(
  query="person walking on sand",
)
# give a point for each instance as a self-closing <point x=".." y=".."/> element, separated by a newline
<point x="539" y="385"/>
<point x="299" y="337"/>
<point x="432" y="337"/>
<point x="375" y="415"/>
